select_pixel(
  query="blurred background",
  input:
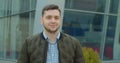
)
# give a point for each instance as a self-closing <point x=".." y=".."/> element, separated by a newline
<point x="96" y="23"/>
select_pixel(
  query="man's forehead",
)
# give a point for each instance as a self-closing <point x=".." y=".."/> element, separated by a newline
<point x="51" y="12"/>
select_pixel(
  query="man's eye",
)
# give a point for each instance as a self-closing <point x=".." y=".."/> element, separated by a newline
<point x="48" y="17"/>
<point x="57" y="17"/>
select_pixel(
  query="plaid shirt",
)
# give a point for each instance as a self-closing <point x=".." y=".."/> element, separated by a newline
<point x="52" y="54"/>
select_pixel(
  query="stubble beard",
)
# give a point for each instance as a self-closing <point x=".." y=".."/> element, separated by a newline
<point x="51" y="31"/>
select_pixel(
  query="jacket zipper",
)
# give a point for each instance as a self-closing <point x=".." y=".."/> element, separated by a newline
<point x="45" y="51"/>
<point x="58" y="51"/>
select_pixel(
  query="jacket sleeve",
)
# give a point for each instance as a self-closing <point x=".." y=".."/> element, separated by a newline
<point x="79" y="58"/>
<point x="24" y="56"/>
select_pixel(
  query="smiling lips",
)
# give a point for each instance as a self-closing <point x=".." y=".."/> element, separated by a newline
<point x="53" y="26"/>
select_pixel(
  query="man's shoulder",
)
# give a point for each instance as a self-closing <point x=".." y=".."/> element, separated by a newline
<point x="34" y="37"/>
<point x="69" y="37"/>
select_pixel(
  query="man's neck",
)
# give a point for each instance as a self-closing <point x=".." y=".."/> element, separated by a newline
<point x="52" y="36"/>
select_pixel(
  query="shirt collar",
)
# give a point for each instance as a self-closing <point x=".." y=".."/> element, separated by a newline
<point x="46" y="37"/>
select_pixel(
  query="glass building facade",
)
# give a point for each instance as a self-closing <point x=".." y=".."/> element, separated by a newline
<point x="94" y="22"/>
<point x="16" y="23"/>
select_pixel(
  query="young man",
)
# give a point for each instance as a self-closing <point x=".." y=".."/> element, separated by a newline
<point x="51" y="46"/>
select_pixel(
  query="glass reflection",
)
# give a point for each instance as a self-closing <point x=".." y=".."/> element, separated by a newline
<point x="24" y="5"/>
<point x="22" y="31"/>
<point x="114" y="6"/>
<point x="86" y="27"/>
<point x="89" y="5"/>
<point x="10" y="7"/>
<point x="1" y="37"/>
<point x="16" y="26"/>
<point x="33" y="4"/>
<point x="108" y="50"/>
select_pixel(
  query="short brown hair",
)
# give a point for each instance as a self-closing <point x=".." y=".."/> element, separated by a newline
<point x="51" y="7"/>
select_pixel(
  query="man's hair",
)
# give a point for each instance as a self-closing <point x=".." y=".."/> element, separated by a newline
<point x="51" y="7"/>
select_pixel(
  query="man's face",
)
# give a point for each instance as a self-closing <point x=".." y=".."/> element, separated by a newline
<point x="51" y="20"/>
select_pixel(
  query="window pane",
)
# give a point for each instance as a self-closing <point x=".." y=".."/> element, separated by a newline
<point x="15" y="6"/>
<point x="5" y="41"/>
<point x="16" y="26"/>
<point x="22" y="31"/>
<point x="24" y="5"/>
<point x="14" y="30"/>
<point x="2" y="7"/>
<point x="109" y="44"/>
<point x="114" y="6"/>
<point x="1" y="37"/>
<point x="86" y="27"/>
<point x="89" y="5"/>
<point x="33" y="4"/>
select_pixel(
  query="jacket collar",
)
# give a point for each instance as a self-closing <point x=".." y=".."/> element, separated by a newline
<point x="46" y="37"/>
<point x="60" y="35"/>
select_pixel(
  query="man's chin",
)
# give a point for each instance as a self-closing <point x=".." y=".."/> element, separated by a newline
<point x="53" y="31"/>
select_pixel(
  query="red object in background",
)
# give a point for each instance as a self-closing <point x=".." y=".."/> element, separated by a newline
<point x="109" y="52"/>
<point x="96" y="49"/>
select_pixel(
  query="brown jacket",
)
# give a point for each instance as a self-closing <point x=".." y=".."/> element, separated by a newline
<point x="35" y="48"/>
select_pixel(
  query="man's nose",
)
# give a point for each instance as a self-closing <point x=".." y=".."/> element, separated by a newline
<point x="53" y="19"/>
